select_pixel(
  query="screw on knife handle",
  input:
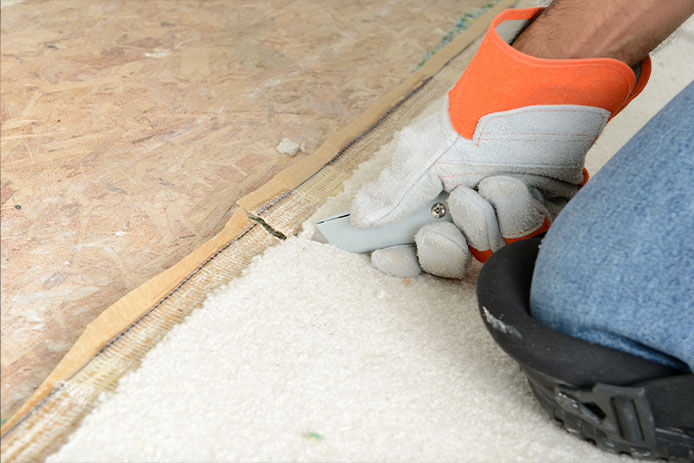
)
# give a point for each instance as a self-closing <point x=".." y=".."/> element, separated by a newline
<point x="438" y="210"/>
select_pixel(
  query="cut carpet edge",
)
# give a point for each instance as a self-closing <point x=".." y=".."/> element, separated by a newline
<point x="127" y="310"/>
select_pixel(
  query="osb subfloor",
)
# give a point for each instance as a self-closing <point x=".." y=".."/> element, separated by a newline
<point x="130" y="128"/>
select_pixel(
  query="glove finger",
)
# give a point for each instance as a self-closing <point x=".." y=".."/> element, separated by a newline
<point x="410" y="182"/>
<point x="519" y="214"/>
<point x="396" y="261"/>
<point x="476" y="218"/>
<point x="442" y="250"/>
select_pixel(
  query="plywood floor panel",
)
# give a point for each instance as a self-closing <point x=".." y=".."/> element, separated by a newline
<point x="130" y="128"/>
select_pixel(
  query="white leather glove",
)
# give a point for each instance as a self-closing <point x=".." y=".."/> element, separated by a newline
<point x="509" y="147"/>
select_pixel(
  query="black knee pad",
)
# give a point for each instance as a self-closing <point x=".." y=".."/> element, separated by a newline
<point x="621" y="402"/>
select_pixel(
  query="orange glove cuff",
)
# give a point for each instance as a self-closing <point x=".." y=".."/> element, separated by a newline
<point x="500" y="78"/>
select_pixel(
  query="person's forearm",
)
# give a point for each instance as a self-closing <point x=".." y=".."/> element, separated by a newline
<point x="626" y="30"/>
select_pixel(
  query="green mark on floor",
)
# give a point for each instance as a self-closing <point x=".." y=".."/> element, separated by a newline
<point x="314" y="435"/>
<point x="463" y="23"/>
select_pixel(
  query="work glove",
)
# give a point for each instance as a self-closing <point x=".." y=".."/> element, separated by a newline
<point x="508" y="146"/>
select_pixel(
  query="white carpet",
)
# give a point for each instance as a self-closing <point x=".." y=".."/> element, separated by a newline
<point x="314" y="340"/>
<point x="313" y="355"/>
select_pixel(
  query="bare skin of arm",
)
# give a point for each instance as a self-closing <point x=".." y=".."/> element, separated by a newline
<point x="626" y="30"/>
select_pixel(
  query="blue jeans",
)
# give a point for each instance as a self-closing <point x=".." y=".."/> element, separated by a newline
<point x="617" y="266"/>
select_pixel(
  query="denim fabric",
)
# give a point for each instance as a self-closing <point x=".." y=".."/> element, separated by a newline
<point x="617" y="266"/>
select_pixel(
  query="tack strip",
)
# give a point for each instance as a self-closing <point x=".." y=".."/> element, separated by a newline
<point x="119" y="317"/>
<point x="47" y="426"/>
<point x="127" y="310"/>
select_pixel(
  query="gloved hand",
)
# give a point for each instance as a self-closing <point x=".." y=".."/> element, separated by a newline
<point x="509" y="147"/>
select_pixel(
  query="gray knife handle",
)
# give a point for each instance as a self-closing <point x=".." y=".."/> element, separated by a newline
<point x="338" y="229"/>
